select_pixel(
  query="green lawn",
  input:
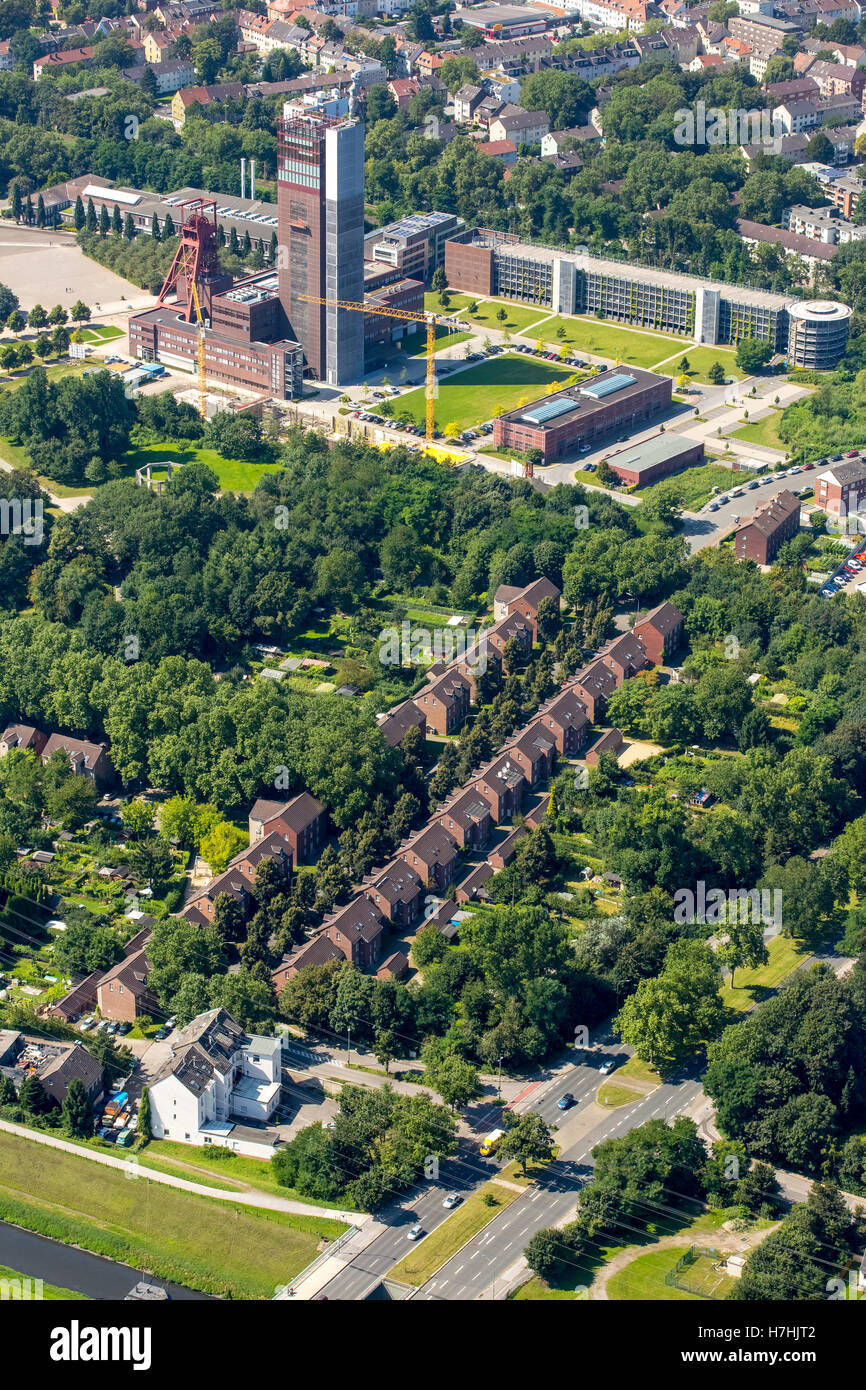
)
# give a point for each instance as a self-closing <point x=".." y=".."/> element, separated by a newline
<point x="234" y="476"/>
<point x="751" y="986"/>
<point x="762" y="431"/>
<point x="612" y="341"/>
<point x="50" y="1292"/>
<point x="458" y="301"/>
<point x="611" y="1095"/>
<point x="469" y="397"/>
<point x="103" y="333"/>
<point x="641" y="1071"/>
<point x="201" y="1242"/>
<point x="423" y="1260"/>
<point x="54" y="373"/>
<point x="700" y="361"/>
<point x="643" y="1280"/>
<point x="694" y="486"/>
<point x="518" y="317"/>
<point x="237" y="1170"/>
<point x="416" y="343"/>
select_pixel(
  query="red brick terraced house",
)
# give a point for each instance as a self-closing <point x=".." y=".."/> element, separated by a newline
<point x="565" y="720"/>
<point x="625" y="656"/>
<point x="301" y="823"/>
<point x="534" y="750"/>
<point x="594" y="686"/>
<point x="357" y="931"/>
<point x="444" y="702"/>
<point x="433" y="855"/>
<point x="502" y="784"/>
<point x="467" y="818"/>
<point x="397" y="892"/>
<point x="660" y="631"/>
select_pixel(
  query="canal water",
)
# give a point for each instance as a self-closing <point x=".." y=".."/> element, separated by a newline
<point x="70" y="1268"/>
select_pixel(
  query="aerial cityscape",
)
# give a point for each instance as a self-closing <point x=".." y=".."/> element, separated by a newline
<point x="432" y="662"/>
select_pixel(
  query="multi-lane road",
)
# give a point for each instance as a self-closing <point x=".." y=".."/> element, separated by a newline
<point x="551" y="1199"/>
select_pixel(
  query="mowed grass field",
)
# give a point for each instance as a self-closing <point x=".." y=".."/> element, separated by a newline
<point x="197" y="1241"/>
<point x="751" y="986"/>
<point x="610" y="340"/>
<point x="700" y="361"/>
<point x="472" y="396"/>
<point x="762" y="431"/>
<point x="644" y="1278"/>
<point x="694" y="486"/>
<point x="518" y="317"/>
<point x="233" y="475"/>
<point x="103" y="333"/>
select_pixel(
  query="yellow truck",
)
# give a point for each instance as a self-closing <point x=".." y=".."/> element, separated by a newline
<point x="490" y="1143"/>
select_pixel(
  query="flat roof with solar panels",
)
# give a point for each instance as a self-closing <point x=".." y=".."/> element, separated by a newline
<point x="608" y="384"/>
<point x="549" y="410"/>
<point x="582" y="399"/>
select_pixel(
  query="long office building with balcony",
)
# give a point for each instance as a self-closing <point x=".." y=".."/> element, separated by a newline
<point x="483" y="262"/>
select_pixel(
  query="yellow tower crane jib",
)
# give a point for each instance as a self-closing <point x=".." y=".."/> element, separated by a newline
<point x="201" y="351"/>
<point x="428" y="320"/>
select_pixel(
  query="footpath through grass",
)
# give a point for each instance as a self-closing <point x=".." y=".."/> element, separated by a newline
<point x="430" y="1254"/>
<point x="235" y="1171"/>
<point x="701" y="359"/>
<point x="198" y="1241"/>
<point x="471" y="396"/>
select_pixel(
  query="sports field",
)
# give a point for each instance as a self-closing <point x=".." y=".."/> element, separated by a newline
<point x="469" y="397"/>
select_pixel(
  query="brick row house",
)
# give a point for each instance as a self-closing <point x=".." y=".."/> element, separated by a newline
<point x="428" y="861"/>
<point x="237" y="880"/>
<point x="87" y="758"/>
<point x="445" y="701"/>
<point x="660" y="631"/>
<point x="301" y="823"/>
<point x="467" y="819"/>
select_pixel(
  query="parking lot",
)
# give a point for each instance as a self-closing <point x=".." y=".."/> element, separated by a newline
<point x="726" y="509"/>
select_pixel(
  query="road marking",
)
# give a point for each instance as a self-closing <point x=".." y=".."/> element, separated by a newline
<point x="457" y="1271"/>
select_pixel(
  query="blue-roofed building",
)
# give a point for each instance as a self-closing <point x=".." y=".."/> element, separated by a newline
<point x="587" y="414"/>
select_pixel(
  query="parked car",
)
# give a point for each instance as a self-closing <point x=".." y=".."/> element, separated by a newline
<point x="753" y="484"/>
<point x="163" y="1032"/>
<point x="124" y="1028"/>
<point x="852" y="453"/>
<point x="714" y="506"/>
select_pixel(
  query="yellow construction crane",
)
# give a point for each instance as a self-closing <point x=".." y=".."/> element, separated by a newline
<point x="201" y="342"/>
<point x="430" y="322"/>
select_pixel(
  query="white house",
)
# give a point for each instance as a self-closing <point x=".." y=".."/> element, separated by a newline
<point x="216" y="1076"/>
